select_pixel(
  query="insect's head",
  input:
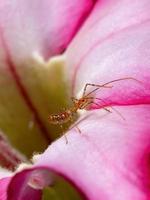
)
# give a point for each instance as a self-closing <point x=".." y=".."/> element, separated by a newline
<point x="82" y="103"/>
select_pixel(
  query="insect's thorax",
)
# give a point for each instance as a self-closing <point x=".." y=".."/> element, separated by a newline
<point x="82" y="103"/>
<point x="67" y="115"/>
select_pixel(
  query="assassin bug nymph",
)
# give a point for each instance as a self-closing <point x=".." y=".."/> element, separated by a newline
<point x="82" y="103"/>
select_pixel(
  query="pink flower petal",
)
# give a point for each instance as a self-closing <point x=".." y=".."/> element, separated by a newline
<point x="5" y="178"/>
<point x="113" y="44"/>
<point x="30" y="183"/>
<point x="46" y="27"/>
<point x="110" y="159"/>
<point x="24" y="191"/>
<point x="3" y="188"/>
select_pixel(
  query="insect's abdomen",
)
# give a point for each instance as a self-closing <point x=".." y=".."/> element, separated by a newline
<point x="60" y="118"/>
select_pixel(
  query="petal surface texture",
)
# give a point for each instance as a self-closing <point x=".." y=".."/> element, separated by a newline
<point x="114" y="43"/>
<point x="109" y="160"/>
<point x="4" y="182"/>
<point x="46" y="27"/>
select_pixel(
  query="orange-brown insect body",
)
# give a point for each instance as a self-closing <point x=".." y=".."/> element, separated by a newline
<point x="67" y="115"/>
<point x="79" y="104"/>
<point x="83" y="102"/>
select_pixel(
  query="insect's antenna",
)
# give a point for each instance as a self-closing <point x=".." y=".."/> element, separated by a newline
<point x="122" y="79"/>
<point x="105" y="84"/>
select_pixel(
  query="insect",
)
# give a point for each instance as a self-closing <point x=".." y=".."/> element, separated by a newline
<point x="84" y="102"/>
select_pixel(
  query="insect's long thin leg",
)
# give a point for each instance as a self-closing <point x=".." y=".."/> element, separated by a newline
<point x="102" y="107"/>
<point x="78" y="129"/>
<point x="65" y="138"/>
<point x="64" y="134"/>
<point x="75" y="126"/>
<point x="105" y="84"/>
<point x="94" y="85"/>
<point x="106" y="108"/>
<point x="92" y="102"/>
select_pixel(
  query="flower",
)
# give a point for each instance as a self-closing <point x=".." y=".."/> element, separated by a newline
<point x="110" y="158"/>
<point x="28" y="43"/>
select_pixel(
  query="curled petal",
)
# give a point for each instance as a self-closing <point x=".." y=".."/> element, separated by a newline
<point x="31" y="182"/>
<point x="46" y="27"/>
